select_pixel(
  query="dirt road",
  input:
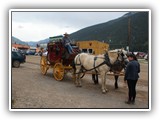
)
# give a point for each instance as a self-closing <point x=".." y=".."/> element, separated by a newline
<point x="31" y="89"/>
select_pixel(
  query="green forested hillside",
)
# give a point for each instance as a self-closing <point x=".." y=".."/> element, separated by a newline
<point x="115" y="32"/>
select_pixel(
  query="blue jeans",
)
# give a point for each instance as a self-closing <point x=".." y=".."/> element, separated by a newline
<point x="69" y="48"/>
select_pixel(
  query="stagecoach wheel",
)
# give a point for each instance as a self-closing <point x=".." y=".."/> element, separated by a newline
<point x="43" y="65"/>
<point x="58" y="71"/>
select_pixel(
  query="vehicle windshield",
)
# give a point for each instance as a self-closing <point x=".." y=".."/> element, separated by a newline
<point x="17" y="54"/>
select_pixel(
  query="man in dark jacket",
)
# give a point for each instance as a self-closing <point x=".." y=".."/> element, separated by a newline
<point x="131" y="76"/>
<point x="67" y="43"/>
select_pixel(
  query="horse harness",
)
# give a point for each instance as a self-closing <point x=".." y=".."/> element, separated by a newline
<point x="106" y="61"/>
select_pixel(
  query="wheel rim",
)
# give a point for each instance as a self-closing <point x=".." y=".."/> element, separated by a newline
<point x="43" y="65"/>
<point x="58" y="71"/>
<point x="16" y="64"/>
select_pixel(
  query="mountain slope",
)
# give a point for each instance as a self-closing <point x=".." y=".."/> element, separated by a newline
<point x="115" y="32"/>
<point x="31" y="43"/>
<point x="18" y="41"/>
<point x="34" y="44"/>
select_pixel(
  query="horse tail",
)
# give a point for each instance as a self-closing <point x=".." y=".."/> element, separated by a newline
<point x="73" y="64"/>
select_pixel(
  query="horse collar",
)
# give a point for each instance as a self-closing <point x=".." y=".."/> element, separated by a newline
<point x="107" y="60"/>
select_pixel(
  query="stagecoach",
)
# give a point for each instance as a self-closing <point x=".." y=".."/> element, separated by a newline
<point x="57" y="58"/>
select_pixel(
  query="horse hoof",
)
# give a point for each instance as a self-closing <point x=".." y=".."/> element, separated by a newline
<point x="107" y="90"/>
<point x="96" y="83"/>
<point x="103" y="91"/>
<point x="116" y="88"/>
<point x="78" y="85"/>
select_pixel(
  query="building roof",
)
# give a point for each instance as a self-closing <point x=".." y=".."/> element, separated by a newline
<point x="20" y="46"/>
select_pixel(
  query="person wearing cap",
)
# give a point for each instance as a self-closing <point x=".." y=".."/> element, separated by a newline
<point x="67" y="43"/>
<point x="131" y="76"/>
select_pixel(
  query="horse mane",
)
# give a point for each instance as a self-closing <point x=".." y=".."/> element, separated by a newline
<point x="113" y="53"/>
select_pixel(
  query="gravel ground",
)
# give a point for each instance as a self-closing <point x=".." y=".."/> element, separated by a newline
<point x="31" y="89"/>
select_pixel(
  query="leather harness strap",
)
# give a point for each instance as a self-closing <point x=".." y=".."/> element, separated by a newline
<point x="106" y="61"/>
<point x="94" y="65"/>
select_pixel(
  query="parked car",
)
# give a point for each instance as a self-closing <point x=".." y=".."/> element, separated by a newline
<point x="30" y="52"/>
<point x="140" y="55"/>
<point x="37" y="53"/>
<point x="146" y="57"/>
<point x="22" y="52"/>
<point x="17" y="59"/>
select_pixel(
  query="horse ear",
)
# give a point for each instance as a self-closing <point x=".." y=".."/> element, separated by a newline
<point x="122" y="48"/>
<point x="118" y="50"/>
<point x="105" y="50"/>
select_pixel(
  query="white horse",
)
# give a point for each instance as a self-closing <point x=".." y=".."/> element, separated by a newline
<point x="101" y="64"/>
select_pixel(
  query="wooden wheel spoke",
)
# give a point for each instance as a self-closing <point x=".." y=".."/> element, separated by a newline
<point x="58" y="71"/>
<point x="43" y="65"/>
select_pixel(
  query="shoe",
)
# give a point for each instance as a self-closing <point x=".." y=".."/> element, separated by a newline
<point x="132" y="102"/>
<point x="128" y="102"/>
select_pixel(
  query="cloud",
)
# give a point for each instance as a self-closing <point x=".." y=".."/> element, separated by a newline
<point x="34" y="26"/>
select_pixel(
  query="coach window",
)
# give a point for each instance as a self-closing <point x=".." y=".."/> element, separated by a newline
<point x="84" y="50"/>
<point x="90" y="51"/>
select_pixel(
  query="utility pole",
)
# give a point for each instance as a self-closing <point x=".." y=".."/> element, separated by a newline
<point x="129" y="34"/>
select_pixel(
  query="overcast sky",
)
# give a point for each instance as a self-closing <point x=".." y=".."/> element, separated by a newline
<point x="35" y="26"/>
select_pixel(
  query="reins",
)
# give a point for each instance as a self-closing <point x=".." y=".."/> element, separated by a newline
<point x="83" y="69"/>
<point x="106" y="61"/>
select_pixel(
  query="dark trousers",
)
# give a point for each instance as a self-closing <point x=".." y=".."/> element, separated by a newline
<point x="132" y="89"/>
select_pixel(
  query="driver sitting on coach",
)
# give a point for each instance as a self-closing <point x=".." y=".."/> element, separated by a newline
<point x="67" y="43"/>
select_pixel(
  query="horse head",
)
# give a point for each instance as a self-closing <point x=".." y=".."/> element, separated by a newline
<point x="120" y="62"/>
<point x="122" y="55"/>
